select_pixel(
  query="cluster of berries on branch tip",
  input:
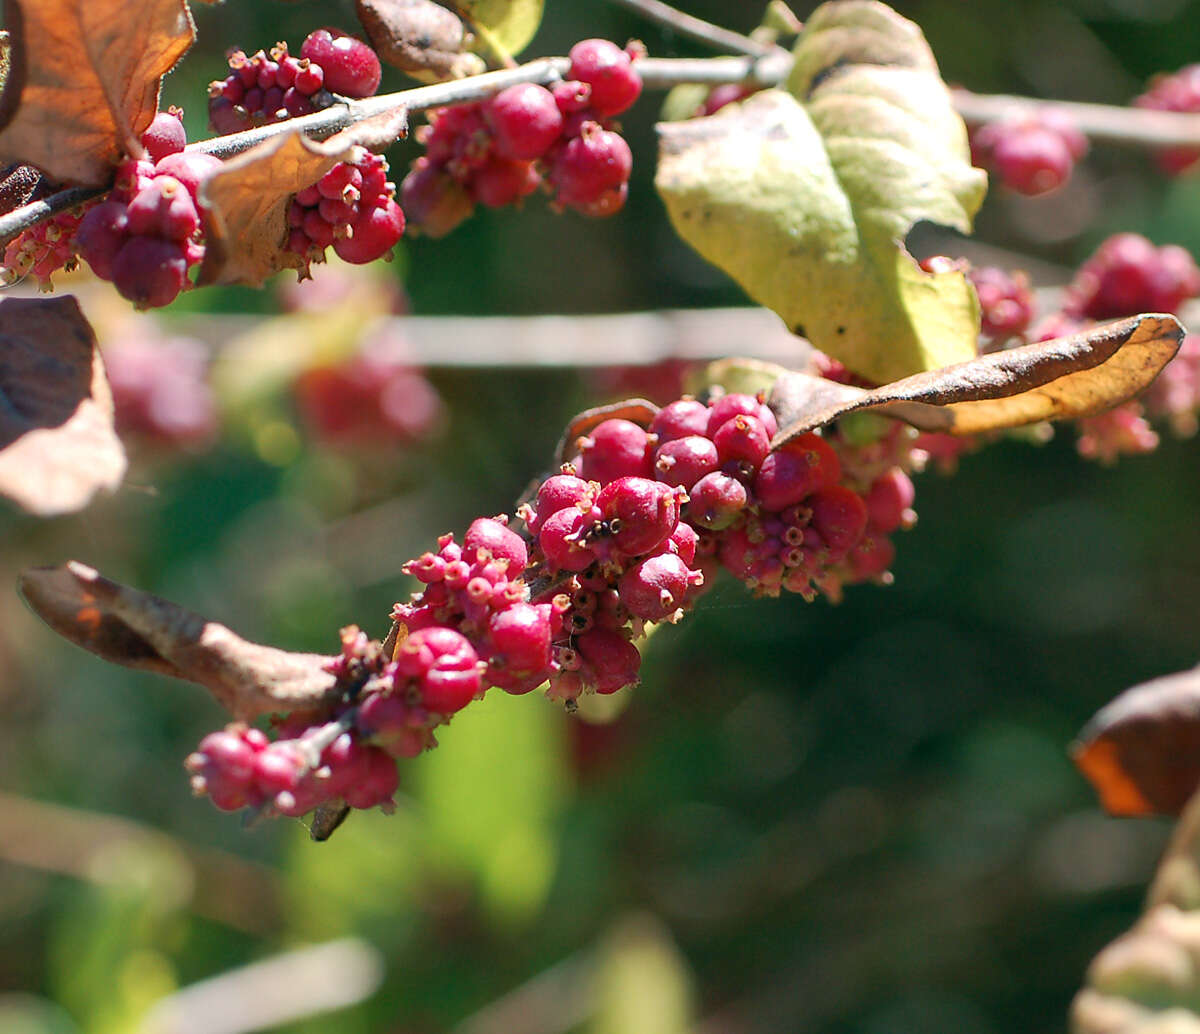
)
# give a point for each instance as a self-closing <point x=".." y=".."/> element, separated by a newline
<point x="630" y="532"/>
<point x="498" y="151"/>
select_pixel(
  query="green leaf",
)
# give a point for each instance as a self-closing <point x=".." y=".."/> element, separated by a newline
<point x="504" y="26"/>
<point x="806" y="197"/>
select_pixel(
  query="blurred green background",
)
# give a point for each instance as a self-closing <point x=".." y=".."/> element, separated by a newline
<point x="806" y="818"/>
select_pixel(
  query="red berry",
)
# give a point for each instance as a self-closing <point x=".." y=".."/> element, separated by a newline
<point x="590" y="164"/>
<point x="442" y="665"/>
<point x="655" y="588"/>
<point x="375" y="232"/>
<point x="684" y="461"/>
<point x="612" y="660"/>
<point x="165" y="135"/>
<point x="640" y="513"/>
<point x="615" y="449"/>
<point x="498" y="542"/>
<point x="607" y="69"/>
<point x="101" y="234"/>
<point x="433" y="200"/>
<point x="351" y="66"/>
<point x="716" y="501"/>
<point x="796" y="470"/>
<point x="524" y="120"/>
<point x="149" y="272"/>
<point x="736" y="404"/>
<point x="502" y="181"/>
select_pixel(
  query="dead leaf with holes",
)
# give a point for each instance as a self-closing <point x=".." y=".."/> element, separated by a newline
<point x="245" y="202"/>
<point x="1061" y="379"/>
<point x="419" y="37"/>
<point x="1141" y="752"/>
<point x="139" y="630"/>
<point x="57" y="443"/>
<point x="84" y="81"/>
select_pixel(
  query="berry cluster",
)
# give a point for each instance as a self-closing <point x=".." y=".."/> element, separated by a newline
<point x="1031" y="155"/>
<point x="1005" y="301"/>
<point x="498" y="151"/>
<point x="146" y="234"/>
<point x="160" y="385"/>
<point x="351" y="207"/>
<point x="1127" y="275"/>
<point x="377" y="396"/>
<point x="1179" y="91"/>
<point x="630" y="532"/>
<point x="44" y="249"/>
<point x="273" y="87"/>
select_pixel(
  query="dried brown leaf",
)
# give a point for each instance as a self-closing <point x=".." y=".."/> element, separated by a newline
<point x="419" y="37"/>
<point x="138" y="630"/>
<point x="246" y="201"/>
<point x="639" y="411"/>
<point x="57" y="443"/>
<point x="1141" y="752"/>
<point x="1060" y="379"/>
<point x="84" y="81"/>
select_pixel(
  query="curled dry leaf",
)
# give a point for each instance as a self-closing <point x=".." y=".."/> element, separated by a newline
<point x="138" y="630"/>
<point x="245" y="202"/>
<point x="805" y="197"/>
<point x="1060" y="379"/>
<point x="1147" y="981"/>
<point x="57" y="443"/>
<point x="1142" y="751"/>
<point x="419" y="37"/>
<point x="84" y="81"/>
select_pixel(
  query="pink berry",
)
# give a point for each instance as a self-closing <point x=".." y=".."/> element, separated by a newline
<point x="519" y="645"/>
<point x="588" y="165"/>
<point x="684" y="461"/>
<point x="1032" y="159"/>
<point x="737" y="404"/>
<point x="742" y="440"/>
<point x="498" y="542"/>
<point x="655" y="588"/>
<point x="612" y="659"/>
<point x="640" y="513"/>
<point x="524" y="120"/>
<point x="375" y="233"/>
<point x="562" y="541"/>
<point x="351" y="66"/>
<point x="796" y="470"/>
<point x="189" y="167"/>
<point x="165" y="135"/>
<point x="615" y="449"/>
<point x="839" y="517"/>
<point x="679" y="419"/>
<point x="607" y="69"/>
<point x="716" y="501"/>
<point x="503" y="181"/>
<point x="443" y="666"/>
<point x="149" y="272"/>
<point x="433" y="200"/>
<point x="101" y="234"/>
<point x="889" y="501"/>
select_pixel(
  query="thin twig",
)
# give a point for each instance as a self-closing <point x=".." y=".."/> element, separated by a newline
<point x="1127" y="126"/>
<point x="1112" y="124"/>
<point x="696" y="28"/>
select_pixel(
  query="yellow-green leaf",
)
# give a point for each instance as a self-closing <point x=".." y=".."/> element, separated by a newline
<point x="806" y="197"/>
<point x="503" y="26"/>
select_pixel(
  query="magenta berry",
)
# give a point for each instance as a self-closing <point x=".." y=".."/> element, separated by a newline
<point x="525" y="121"/>
<point x="716" y="501"/>
<point x="149" y="272"/>
<point x="680" y="419"/>
<point x="795" y="470"/>
<point x="615" y="449"/>
<point x="684" y="461"/>
<point x="640" y="513"/>
<point x="595" y="161"/>
<point x="504" y="181"/>
<point x="736" y="404"/>
<point x="889" y="501"/>
<point x="165" y="135"/>
<point x="491" y="539"/>
<point x="443" y="667"/>
<point x="562" y="539"/>
<point x="557" y="493"/>
<point x="519" y="645"/>
<point x="607" y="69"/>
<point x="742" y="440"/>
<point x="101" y="235"/>
<point x="839" y="516"/>
<point x="612" y="659"/>
<point x="656" y="587"/>
<point x="374" y="233"/>
<point x="350" y="65"/>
